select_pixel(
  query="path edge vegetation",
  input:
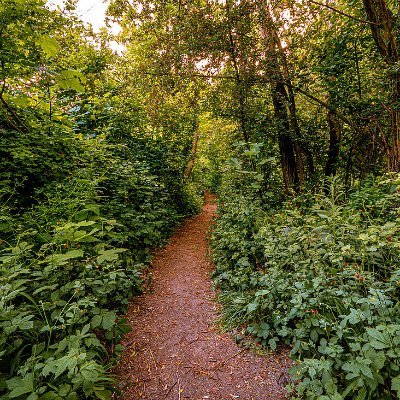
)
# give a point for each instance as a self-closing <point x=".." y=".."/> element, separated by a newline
<point x="89" y="186"/>
<point x="288" y="110"/>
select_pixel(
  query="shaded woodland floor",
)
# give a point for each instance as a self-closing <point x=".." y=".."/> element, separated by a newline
<point x="175" y="350"/>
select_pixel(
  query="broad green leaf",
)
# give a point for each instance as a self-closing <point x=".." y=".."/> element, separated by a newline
<point x="109" y="255"/>
<point x="96" y="321"/>
<point x="71" y="79"/>
<point x="103" y="394"/>
<point x="63" y="258"/>
<point x="252" y="307"/>
<point x="49" y="45"/>
<point x="396" y="385"/>
<point x="20" y="386"/>
<point x="109" y="320"/>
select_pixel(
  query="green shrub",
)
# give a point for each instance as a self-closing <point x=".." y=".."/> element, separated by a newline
<point x="58" y="310"/>
<point x="323" y="279"/>
<point x="68" y="268"/>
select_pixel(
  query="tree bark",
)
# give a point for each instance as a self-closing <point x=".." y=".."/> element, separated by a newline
<point x="334" y="144"/>
<point x="384" y="31"/>
<point x="281" y="99"/>
<point x="193" y="153"/>
<point x="286" y="146"/>
<point x="294" y="122"/>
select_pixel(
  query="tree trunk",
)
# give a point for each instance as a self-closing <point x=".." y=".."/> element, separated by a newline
<point x="294" y="122"/>
<point x="384" y="31"/>
<point x="394" y="151"/>
<point x="190" y="165"/>
<point x="334" y="144"/>
<point x="286" y="147"/>
<point x="283" y="102"/>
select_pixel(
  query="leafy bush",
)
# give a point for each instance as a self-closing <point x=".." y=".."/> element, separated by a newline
<point x="68" y="268"/>
<point x="89" y="185"/>
<point x="56" y="323"/>
<point x="323" y="279"/>
<point x="253" y="174"/>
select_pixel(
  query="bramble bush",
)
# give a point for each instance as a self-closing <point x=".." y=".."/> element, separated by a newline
<point x="321" y="276"/>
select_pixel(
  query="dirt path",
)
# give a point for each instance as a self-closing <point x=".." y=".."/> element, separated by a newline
<point x="175" y="350"/>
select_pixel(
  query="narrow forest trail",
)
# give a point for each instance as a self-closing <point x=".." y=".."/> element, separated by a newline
<point x="175" y="350"/>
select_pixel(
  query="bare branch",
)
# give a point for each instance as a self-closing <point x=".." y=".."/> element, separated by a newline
<point x="364" y="21"/>
<point x="194" y="75"/>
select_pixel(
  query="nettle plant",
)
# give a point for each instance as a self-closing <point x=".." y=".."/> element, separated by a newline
<point x="323" y="279"/>
<point x="58" y="310"/>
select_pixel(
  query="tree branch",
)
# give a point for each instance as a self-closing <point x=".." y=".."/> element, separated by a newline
<point x="22" y="127"/>
<point x="327" y="106"/>
<point x="194" y="75"/>
<point x="364" y="21"/>
<point x="262" y="79"/>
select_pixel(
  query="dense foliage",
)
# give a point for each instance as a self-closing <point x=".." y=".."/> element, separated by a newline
<point x="289" y="110"/>
<point x="321" y="274"/>
<point x="88" y="188"/>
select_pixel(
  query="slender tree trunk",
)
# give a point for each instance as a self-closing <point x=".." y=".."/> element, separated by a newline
<point x="334" y="144"/>
<point x="291" y="100"/>
<point x="294" y="125"/>
<point x="394" y="160"/>
<point x="193" y="153"/>
<point x="286" y="146"/>
<point x="357" y="63"/>
<point x="283" y="101"/>
<point x="385" y="33"/>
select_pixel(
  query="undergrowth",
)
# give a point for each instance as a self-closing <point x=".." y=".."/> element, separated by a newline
<point x="69" y="263"/>
<point x="322" y="276"/>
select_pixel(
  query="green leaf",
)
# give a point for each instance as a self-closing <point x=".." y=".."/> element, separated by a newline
<point x="252" y="307"/>
<point x="71" y="79"/>
<point x="90" y="371"/>
<point x="96" y="321"/>
<point x="49" y="45"/>
<point x="64" y="390"/>
<point x="109" y="255"/>
<point x="396" y="385"/>
<point x="20" y="386"/>
<point x="61" y="259"/>
<point x="103" y="394"/>
<point x="350" y="388"/>
<point x="362" y="394"/>
<point x="109" y="320"/>
<point x="272" y="343"/>
<point x="85" y="329"/>
<point x="23" y="322"/>
<point x="380" y="340"/>
<point x="379" y="360"/>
